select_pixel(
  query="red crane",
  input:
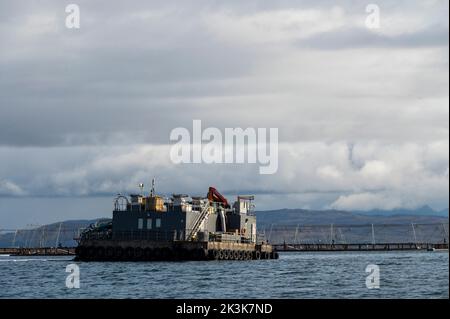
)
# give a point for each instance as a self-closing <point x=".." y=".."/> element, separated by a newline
<point x="215" y="196"/>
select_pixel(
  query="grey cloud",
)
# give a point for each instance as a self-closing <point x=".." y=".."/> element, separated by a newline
<point x="88" y="112"/>
<point x="125" y="79"/>
<point x="354" y="38"/>
<point x="306" y="168"/>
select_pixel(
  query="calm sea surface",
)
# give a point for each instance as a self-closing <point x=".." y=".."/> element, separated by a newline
<point x="294" y="275"/>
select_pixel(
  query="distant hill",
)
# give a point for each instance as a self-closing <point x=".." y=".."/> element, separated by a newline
<point x="51" y="235"/>
<point x="63" y="233"/>
<point x="309" y="226"/>
<point x="337" y="217"/>
<point x="422" y="211"/>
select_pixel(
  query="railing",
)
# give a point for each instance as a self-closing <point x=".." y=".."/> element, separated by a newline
<point x="157" y="235"/>
<point x="96" y="235"/>
<point x="356" y="234"/>
<point x="224" y="237"/>
<point x="261" y="238"/>
<point x="198" y="221"/>
<point x="359" y="247"/>
<point x="152" y="235"/>
<point x="40" y="251"/>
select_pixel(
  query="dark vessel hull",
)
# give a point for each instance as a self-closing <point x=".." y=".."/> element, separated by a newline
<point x="108" y="250"/>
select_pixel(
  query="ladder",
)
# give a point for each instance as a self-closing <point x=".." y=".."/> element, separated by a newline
<point x="196" y="226"/>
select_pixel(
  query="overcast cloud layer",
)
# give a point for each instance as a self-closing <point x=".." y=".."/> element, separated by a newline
<point x="363" y="114"/>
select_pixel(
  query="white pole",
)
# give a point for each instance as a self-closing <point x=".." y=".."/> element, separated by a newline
<point x="270" y="233"/>
<point x="296" y="232"/>
<point x="57" y="236"/>
<point x="331" y="234"/>
<point x="33" y="233"/>
<point x="373" y="235"/>
<point x="14" y="240"/>
<point x="27" y="237"/>
<point x="42" y="241"/>
<point x="30" y="242"/>
<point x="445" y="230"/>
<point x="414" y="233"/>
<point x="342" y="236"/>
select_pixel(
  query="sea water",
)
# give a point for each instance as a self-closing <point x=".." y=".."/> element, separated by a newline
<point x="295" y="275"/>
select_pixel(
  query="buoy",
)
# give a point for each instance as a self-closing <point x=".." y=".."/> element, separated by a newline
<point x="248" y="255"/>
<point x="138" y="252"/>
<point x="157" y="254"/>
<point x="148" y="253"/>
<point x="110" y="252"/>
<point x="221" y="254"/>
<point x="100" y="253"/>
<point x="118" y="253"/>
<point x="129" y="253"/>
<point x="90" y="255"/>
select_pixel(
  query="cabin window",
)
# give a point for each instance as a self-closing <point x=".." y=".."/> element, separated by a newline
<point x="149" y="223"/>
<point x="140" y="223"/>
<point x="158" y="223"/>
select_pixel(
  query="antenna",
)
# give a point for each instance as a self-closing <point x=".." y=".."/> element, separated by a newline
<point x="141" y="186"/>
<point x="152" y="192"/>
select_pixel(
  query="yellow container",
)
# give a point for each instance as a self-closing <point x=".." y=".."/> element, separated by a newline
<point x="154" y="203"/>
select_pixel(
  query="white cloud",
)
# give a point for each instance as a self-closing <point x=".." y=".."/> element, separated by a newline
<point x="406" y="174"/>
<point x="368" y="201"/>
<point x="273" y="26"/>
<point x="328" y="171"/>
<point x="375" y="170"/>
<point x="8" y="188"/>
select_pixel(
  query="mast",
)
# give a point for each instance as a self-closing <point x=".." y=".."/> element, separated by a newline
<point x="152" y="191"/>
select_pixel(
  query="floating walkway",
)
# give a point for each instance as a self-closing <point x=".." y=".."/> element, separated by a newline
<point x="64" y="251"/>
<point x="360" y="247"/>
<point x="45" y="251"/>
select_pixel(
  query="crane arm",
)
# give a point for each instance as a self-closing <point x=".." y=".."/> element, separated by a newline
<point x="215" y="196"/>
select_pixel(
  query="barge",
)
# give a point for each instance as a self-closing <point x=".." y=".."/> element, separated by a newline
<point x="154" y="228"/>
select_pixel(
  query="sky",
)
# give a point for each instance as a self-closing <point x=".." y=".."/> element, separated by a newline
<point x="362" y="113"/>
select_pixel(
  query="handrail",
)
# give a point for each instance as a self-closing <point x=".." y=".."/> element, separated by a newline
<point x="198" y="222"/>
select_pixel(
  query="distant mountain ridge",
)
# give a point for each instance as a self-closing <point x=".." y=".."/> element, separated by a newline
<point x="338" y="217"/>
<point x="421" y="211"/>
<point x="63" y="233"/>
